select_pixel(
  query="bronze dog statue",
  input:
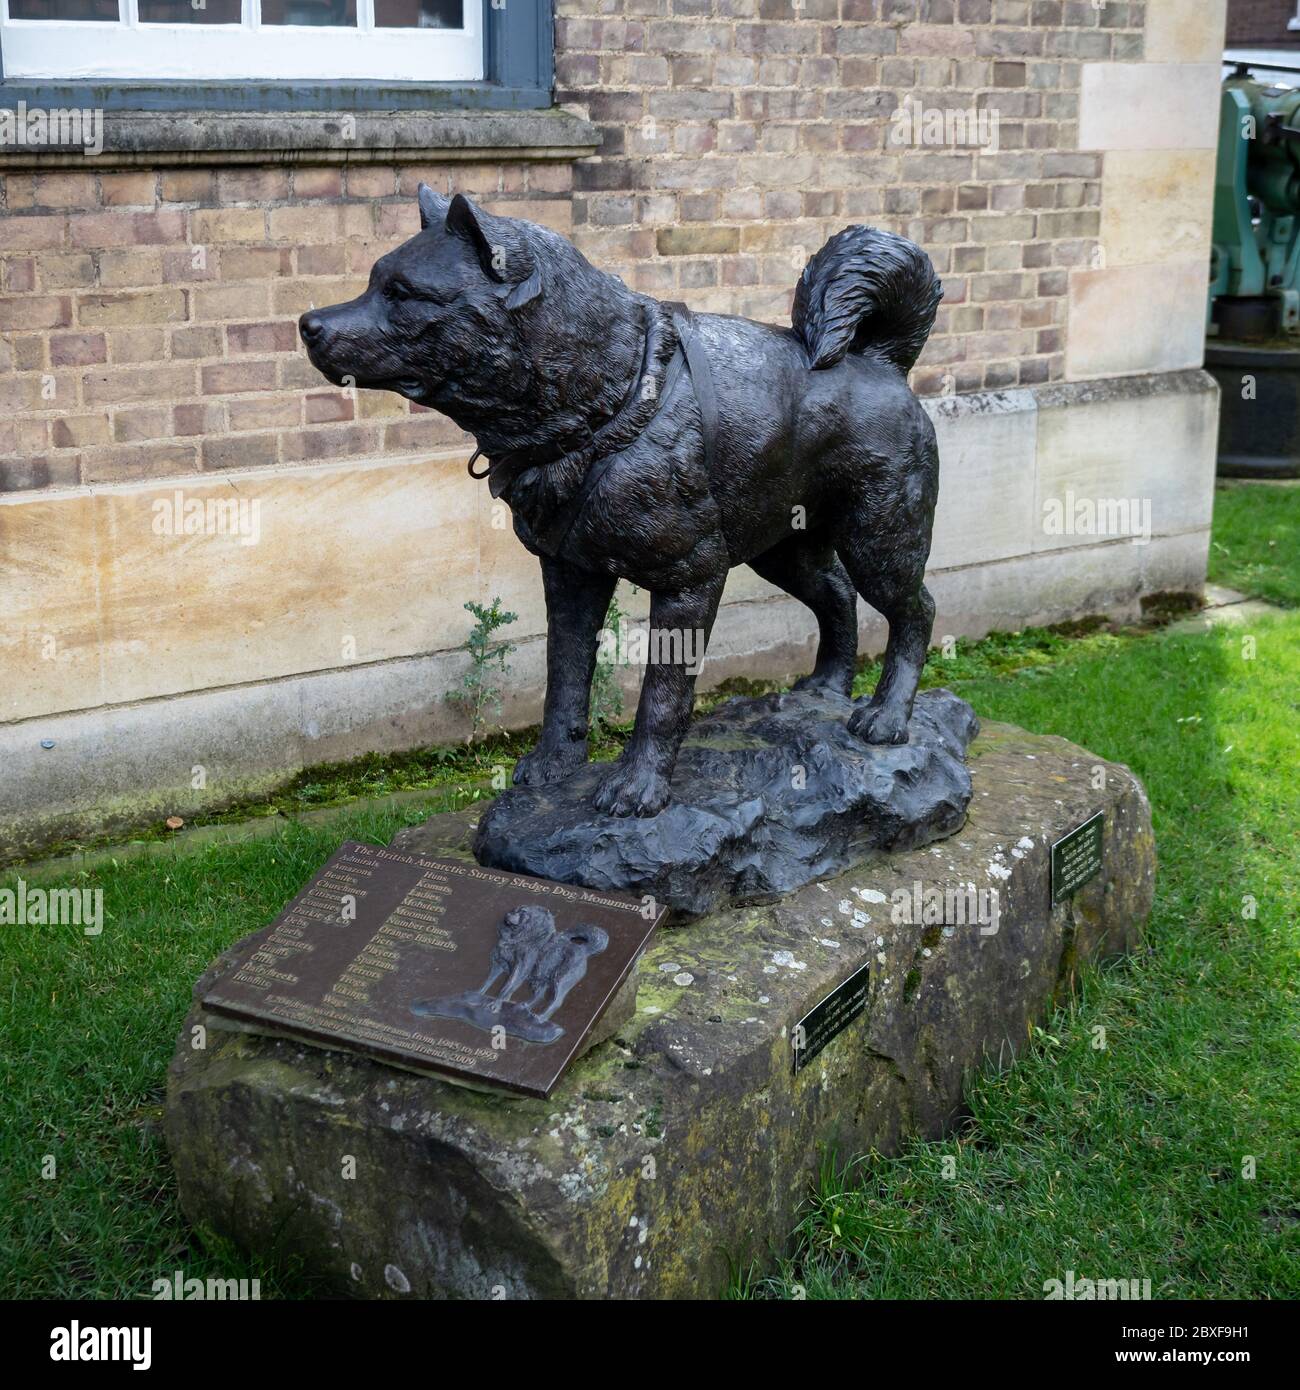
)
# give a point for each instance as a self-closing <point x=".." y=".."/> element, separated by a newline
<point x="632" y="440"/>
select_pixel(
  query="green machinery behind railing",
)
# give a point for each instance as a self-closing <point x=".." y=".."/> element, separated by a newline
<point x="1255" y="263"/>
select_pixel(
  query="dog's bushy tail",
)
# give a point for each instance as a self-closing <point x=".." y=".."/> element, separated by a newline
<point x="866" y="289"/>
<point x="593" y="938"/>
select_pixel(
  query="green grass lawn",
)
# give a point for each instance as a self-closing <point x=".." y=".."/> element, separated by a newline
<point x="1125" y="1162"/>
<point x="1128" y="1162"/>
<point x="1257" y="541"/>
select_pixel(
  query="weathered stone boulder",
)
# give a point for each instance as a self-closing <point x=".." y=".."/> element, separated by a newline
<point x="768" y="794"/>
<point x="687" y="1140"/>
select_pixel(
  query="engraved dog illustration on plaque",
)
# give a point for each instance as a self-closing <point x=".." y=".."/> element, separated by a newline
<point x="530" y="952"/>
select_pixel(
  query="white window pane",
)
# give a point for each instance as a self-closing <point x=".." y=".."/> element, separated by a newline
<point x="63" y="9"/>
<point x="419" y="14"/>
<point x="300" y="40"/>
<point x="332" y="14"/>
<point x="189" y="11"/>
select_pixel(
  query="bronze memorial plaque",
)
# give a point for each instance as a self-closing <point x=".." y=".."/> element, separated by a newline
<point x="439" y="965"/>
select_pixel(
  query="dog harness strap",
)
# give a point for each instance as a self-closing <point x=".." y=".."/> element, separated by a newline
<point x="553" y="538"/>
<point x="502" y="471"/>
<point x="689" y="356"/>
<point x="701" y="378"/>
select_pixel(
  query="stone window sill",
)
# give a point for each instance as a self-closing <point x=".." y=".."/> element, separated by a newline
<point x="135" y="139"/>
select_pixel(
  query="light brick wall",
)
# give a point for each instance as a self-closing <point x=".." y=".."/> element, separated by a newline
<point x="739" y="134"/>
<point x="148" y="319"/>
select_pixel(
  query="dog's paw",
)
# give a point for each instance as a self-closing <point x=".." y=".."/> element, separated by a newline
<point x="879" y="723"/>
<point x="632" y="789"/>
<point x="550" y="763"/>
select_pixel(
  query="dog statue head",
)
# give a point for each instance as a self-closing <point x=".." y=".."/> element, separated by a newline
<point x="490" y="320"/>
<point x="432" y="306"/>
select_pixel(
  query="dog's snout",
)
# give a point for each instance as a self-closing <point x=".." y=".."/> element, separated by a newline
<point x="311" y="326"/>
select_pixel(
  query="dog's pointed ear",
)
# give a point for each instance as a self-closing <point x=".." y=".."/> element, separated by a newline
<point x="502" y="252"/>
<point x="433" y="206"/>
<point x="470" y="224"/>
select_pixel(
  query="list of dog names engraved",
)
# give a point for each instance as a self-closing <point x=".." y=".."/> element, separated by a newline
<point x="332" y="899"/>
<point x="336" y="901"/>
<point x="415" y="921"/>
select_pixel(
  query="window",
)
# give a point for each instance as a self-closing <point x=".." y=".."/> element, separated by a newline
<point x="261" y="40"/>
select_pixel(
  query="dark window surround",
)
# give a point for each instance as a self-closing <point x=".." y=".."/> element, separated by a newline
<point x="519" y="62"/>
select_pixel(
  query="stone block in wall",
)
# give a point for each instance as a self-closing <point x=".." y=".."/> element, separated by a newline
<point x="1185" y="31"/>
<point x="49" y="646"/>
<point x="987" y="451"/>
<point x="359" y="563"/>
<point x="1155" y="206"/>
<point x="1149" y="106"/>
<point x="1144" y="441"/>
<point x="1126" y="320"/>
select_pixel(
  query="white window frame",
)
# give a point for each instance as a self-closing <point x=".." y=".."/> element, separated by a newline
<point x="130" y="51"/>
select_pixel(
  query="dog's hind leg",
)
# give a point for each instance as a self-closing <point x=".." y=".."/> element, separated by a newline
<point x="808" y="569"/>
<point x="890" y="581"/>
<point x="885" y="543"/>
<point x="562" y="984"/>
<point x="518" y="976"/>
<point x="576" y="603"/>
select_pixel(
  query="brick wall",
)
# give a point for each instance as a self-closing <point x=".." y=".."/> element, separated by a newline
<point x="148" y="319"/>
<point x="739" y="134"/>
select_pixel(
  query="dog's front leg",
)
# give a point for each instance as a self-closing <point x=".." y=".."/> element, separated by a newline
<point x="518" y="976"/>
<point x="576" y="603"/>
<point x="680" y="624"/>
